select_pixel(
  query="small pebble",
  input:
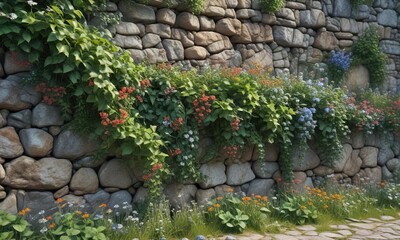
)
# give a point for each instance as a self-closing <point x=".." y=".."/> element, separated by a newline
<point x="200" y="237"/>
<point x="230" y="238"/>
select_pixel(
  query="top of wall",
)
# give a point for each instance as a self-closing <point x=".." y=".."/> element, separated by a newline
<point x="238" y="33"/>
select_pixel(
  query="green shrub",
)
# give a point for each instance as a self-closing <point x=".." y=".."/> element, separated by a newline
<point x="14" y="227"/>
<point x="366" y="52"/>
<point x="272" y="6"/>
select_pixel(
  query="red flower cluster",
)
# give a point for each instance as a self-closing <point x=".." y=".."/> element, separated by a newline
<point x="106" y="121"/>
<point x="90" y="83"/>
<point x="231" y="151"/>
<point x="175" y="152"/>
<point x="50" y="94"/>
<point x="147" y="177"/>
<point x="202" y="107"/>
<point x="156" y="167"/>
<point x="235" y="124"/>
<point x="176" y="124"/>
<point x="125" y="91"/>
<point x="145" y="83"/>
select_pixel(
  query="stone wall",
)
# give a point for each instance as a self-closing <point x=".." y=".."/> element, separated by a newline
<point x="238" y="33"/>
<point x="41" y="159"/>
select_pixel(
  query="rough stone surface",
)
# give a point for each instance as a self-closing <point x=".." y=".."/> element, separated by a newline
<point x="390" y="46"/>
<point x="21" y="119"/>
<point x="36" y="201"/>
<point x="341" y="162"/>
<point x="341" y="8"/>
<point x="151" y="40"/>
<point x="71" y="145"/>
<point x="9" y="204"/>
<point x="174" y="49"/>
<point x="141" y="195"/>
<point x="36" y="142"/>
<point x="98" y="198"/>
<point x="323" y="170"/>
<point x="188" y="21"/>
<point x="127" y="28"/>
<point x="265" y="169"/>
<point x="61" y="192"/>
<point x="203" y="197"/>
<point x="44" y="174"/>
<point x="357" y="79"/>
<point x="369" y="156"/>
<point x="393" y="164"/>
<point x="116" y="173"/>
<point x="10" y="145"/>
<point x="310" y="161"/>
<point x="387" y="17"/>
<point x="15" y="62"/>
<point x="384" y="155"/>
<point x="119" y="199"/>
<point x="179" y="194"/>
<point x="326" y="41"/>
<point x="215" y="174"/>
<point x="128" y="41"/>
<point x="166" y="16"/>
<point x="228" y="26"/>
<point x="89" y="161"/>
<point x="138" y="13"/>
<point x="312" y="18"/>
<point x="15" y="96"/>
<point x="84" y="181"/>
<point x="238" y="174"/>
<point x="262" y="187"/>
<point x="353" y="164"/>
<point x="44" y="115"/>
<point x="163" y="30"/>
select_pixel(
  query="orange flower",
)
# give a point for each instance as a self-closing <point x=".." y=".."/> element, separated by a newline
<point x="219" y="198"/>
<point x="85" y="215"/>
<point x="24" y="211"/>
<point x="229" y="190"/>
<point x="210" y="209"/>
<point x="59" y="200"/>
<point x="216" y="205"/>
<point x="103" y="205"/>
<point x="49" y="218"/>
<point x="265" y="198"/>
<point x="52" y="225"/>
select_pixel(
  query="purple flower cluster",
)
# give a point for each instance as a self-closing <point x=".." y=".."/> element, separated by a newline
<point x="340" y="59"/>
<point x="305" y="123"/>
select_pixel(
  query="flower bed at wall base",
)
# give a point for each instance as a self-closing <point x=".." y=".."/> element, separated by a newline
<point x="155" y="116"/>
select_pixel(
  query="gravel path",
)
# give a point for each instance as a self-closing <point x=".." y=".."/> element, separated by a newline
<point x="386" y="227"/>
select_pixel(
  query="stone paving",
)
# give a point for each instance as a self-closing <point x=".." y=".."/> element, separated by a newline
<point x="386" y="227"/>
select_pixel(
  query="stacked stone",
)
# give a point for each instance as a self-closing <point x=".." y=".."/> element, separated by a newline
<point x="42" y="159"/>
<point x="237" y="33"/>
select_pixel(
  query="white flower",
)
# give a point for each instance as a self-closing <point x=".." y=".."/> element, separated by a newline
<point x="31" y="3"/>
<point x="190" y="132"/>
<point x="116" y="206"/>
<point x="109" y="220"/>
<point x="41" y="212"/>
<point x="43" y="230"/>
<point x="125" y="203"/>
<point x="191" y="140"/>
<point x="12" y="16"/>
<point x="119" y="226"/>
<point x="42" y="220"/>
<point x="186" y="135"/>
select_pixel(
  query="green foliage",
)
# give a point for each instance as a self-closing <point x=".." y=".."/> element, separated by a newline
<point x="234" y="212"/>
<point x="298" y="210"/>
<point x="14" y="227"/>
<point x="272" y="6"/>
<point x="366" y="52"/>
<point x="196" y="6"/>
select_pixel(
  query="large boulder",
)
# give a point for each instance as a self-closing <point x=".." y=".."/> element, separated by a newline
<point x="262" y="187"/>
<point x="310" y="161"/>
<point x="36" y="202"/>
<point x="338" y="165"/>
<point x="137" y="13"/>
<point x="313" y="18"/>
<point x="288" y="37"/>
<point x="326" y="41"/>
<point x="44" y="115"/>
<point x="388" y="18"/>
<point x="174" y="49"/>
<point x="84" y="181"/>
<point x="36" y="142"/>
<point x="188" y="21"/>
<point x="116" y="173"/>
<point x="44" y="174"/>
<point x="264" y="169"/>
<point x="15" y="95"/>
<point x="98" y="198"/>
<point x="238" y="174"/>
<point x="203" y="197"/>
<point x="10" y="145"/>
<point x="179" y="194"/>
<point x="369" y="156"/>
<point x="119" y="199"/>
<point x="341" y="8"/>
<point x="214" y="174"/>
<point x="353" y="165"/>
<point x="228" y="26"/>
<point x="72" y="145"/>
<point x="15" y="62"/>
<point x="9" y="204"/>
<point x="21" y="119"/>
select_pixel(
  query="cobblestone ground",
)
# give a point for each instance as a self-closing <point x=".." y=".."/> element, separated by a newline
<point x="386" y="227"/>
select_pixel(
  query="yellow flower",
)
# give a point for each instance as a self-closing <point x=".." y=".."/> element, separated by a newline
<point x="210" y="209"/>
<point x="85" y="215"/>
<point x="310" y="203"/>
<point x="258" y="197"/>
<point x="325" y="206"/>
<point x="78" y="212"/>
<point x="229" y="190"/>
<point x="216" y="205"/>
<point x="265" y="198"/>
<point x="303" y="207"/>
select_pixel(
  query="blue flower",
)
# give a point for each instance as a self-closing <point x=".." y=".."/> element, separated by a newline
<point x="327" y="110"/>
